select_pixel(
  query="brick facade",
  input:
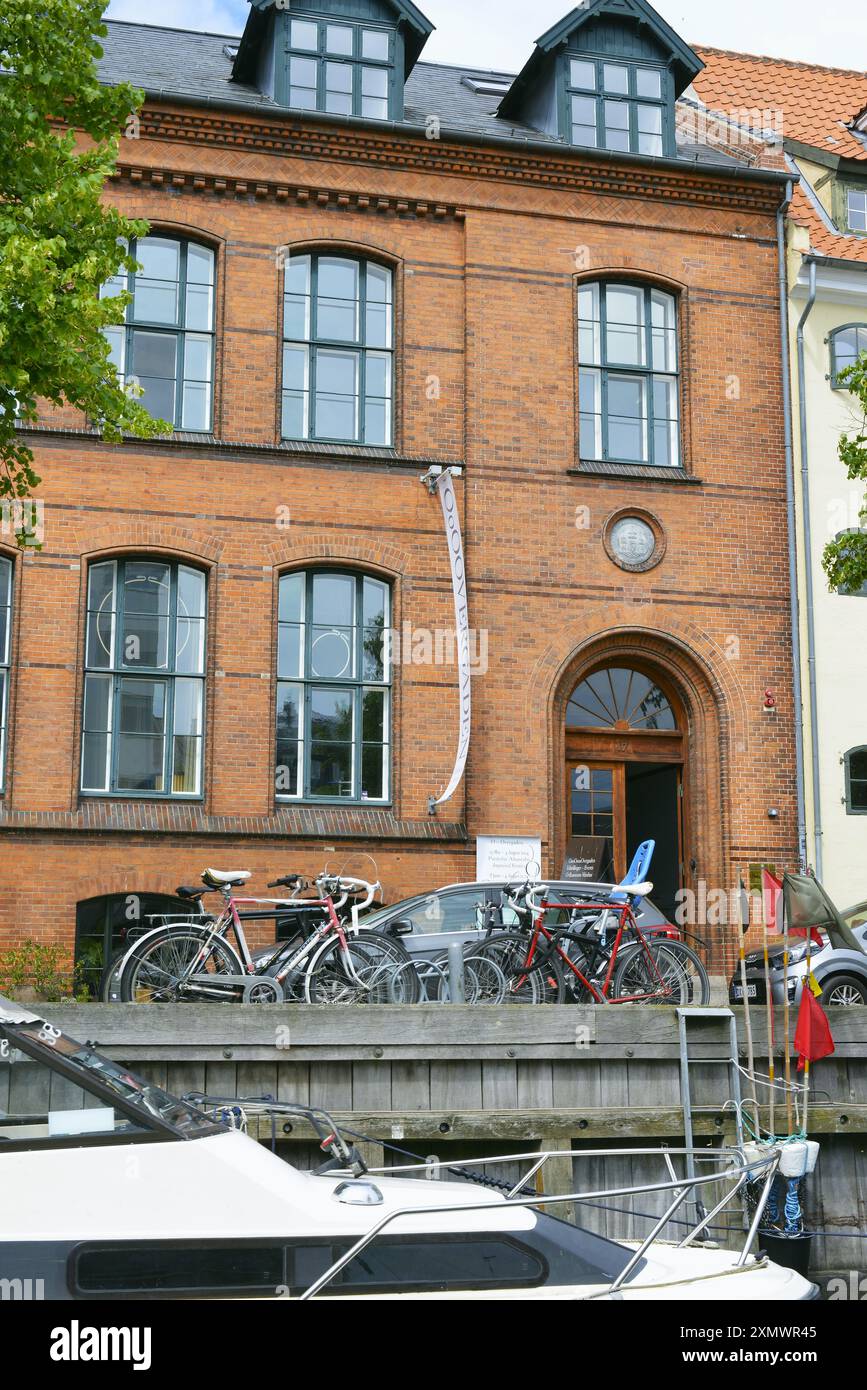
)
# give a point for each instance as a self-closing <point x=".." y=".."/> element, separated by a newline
<point x="488" y="247"/>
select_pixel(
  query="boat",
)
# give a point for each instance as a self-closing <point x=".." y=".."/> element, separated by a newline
<point x="112" y="1188"/>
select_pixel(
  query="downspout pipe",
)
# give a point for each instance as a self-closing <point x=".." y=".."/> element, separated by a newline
<point x="791" y="529"/>
<point x="808" y="568"/>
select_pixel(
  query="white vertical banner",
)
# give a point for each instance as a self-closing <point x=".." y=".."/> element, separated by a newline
<point x="446" y="490"/>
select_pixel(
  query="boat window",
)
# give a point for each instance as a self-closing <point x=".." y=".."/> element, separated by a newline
<point x="424" y="1262"/>
<point x="64" y="1063"/>
<point x="170" y="1268"/>
<point x="39" y="1106"/>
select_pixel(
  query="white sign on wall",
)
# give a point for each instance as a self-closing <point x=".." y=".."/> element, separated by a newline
<point x="505" y="858"/>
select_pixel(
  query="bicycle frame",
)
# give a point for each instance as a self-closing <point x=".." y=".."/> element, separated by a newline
<point x="626" y="920"/>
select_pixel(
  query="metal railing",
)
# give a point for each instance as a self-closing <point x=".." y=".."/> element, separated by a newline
<point x="739" y="1170"/>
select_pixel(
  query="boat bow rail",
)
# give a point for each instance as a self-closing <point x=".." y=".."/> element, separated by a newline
<point x="733" y="1166"/>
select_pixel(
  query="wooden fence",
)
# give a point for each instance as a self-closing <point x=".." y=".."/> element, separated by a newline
<point x="463" y="1081"/>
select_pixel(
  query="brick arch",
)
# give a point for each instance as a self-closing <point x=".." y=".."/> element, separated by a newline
<point x="186" y="231"/>
<point x="314" y="548"/>
<point x="121" y="883"/>
<point x="339" y="241"/>
<point x="123" y="535"/>
<point x="705" y="684"/>
<point x="627" y="270"/>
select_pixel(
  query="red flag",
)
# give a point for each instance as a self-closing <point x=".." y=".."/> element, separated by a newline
<point x="815" y="935"/>
<point x="813" y="1039"/>
<point x="772" y="891"/>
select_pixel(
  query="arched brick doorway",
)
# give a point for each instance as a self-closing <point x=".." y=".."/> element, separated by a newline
<point x="646" y="723"/>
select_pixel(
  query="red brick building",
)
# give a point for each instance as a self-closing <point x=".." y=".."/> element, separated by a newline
<point x="360" y="266"/>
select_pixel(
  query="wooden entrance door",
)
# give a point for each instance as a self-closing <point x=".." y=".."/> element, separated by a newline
<point x="597" y="808"/>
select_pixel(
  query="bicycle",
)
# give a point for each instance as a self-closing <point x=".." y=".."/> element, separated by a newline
<point x="334" y="963"/>
<point x="630" y="969"/>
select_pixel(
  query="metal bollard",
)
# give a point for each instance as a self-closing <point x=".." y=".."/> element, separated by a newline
<point x="457" y="992"/>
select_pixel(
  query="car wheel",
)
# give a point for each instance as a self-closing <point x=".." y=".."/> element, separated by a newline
<point x="844" y="991"/>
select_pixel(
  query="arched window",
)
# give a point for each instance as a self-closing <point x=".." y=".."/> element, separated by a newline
<point x="104" y="926"/>
<point x="333" y="695"/>
<point x="144" y="686"/>
<point x="5" y="654"/>
<point x="855" y="763"/>
<point x="337" y="351"/>
<point x="628" y="382"/>
<point x="166" y="344"/>
<point x="847" y="344"/>
<point x="619" y="698"/>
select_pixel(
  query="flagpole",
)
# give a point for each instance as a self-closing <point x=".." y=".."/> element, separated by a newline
<point x="748" y="1027"/>
<point x="808" y="984"/>
<point x="786" y="1043"/>
<point x="769" y="998"/>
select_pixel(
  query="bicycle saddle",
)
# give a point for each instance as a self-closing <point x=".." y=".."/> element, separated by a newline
<point x="636" y="890"/>
<point x="190" y="894"/>
<point x="215" y="878"/>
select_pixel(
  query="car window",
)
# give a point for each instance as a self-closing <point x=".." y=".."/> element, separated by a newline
<point x="454" y="911"/>
<point x="857" y="917"/>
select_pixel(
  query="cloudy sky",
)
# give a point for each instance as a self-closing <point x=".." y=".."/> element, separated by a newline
<point x="500" y="33"/>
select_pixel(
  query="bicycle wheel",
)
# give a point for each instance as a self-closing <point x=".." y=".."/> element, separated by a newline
<point x="372" y="970"/>
<point x="156" y="966"/>
<point x="675" y="975"/>
<point x="484" y="979"/>
<point x="540" y="984"/>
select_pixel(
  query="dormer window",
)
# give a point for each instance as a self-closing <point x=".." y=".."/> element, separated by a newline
<point x="345" y="69"/>
<point x="617" y="106"/>
<point x="856" y="206"/>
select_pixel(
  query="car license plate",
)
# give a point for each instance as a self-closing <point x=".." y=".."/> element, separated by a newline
<point x="739" y="991"/>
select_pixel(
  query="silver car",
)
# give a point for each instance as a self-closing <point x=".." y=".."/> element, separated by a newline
<point x="430" y="922"/>
<point x="841" y="973"/>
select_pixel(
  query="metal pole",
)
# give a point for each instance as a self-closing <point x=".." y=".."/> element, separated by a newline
<point x="457" y="989"/>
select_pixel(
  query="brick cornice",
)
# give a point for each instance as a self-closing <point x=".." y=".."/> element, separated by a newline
<point x="562" y="168"/>
<point x="295" y="822"/>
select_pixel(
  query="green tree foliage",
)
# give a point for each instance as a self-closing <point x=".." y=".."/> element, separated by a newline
<point x="59" y="241"/>
<point x="845" y="559"/>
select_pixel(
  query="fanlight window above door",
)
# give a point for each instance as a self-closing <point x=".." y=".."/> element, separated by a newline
<point x="619" y="698"/>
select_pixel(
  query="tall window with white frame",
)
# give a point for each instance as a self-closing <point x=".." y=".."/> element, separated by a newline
<point x="847" y="343"/>
<point x="333" y="688"/>
<point x="144" y="684"/>
<point x="338" y="334"/>
<point x="166" y="344"/>
<point x="5" y="655"/>
<point x="628" y="382"/>
<point x="340" y="67"/>
<point x="856" y="201"/>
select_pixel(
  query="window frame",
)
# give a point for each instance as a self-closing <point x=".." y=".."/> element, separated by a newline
<point x="357" y="684"/>
<point x="834" y="373"/>
<point x="648" y="373"/>
<point x="313" y="344"/>
<point x="852" y="810"/>
<point x="180" y="331"/>
<point x="860" y="190"/>
<point x="356" y="61"/>
<point x="664" y="102"/>
<point x="6" y="669"/>
<point x="116" y="673"/>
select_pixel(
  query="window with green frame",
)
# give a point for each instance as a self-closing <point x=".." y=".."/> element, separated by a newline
<point x="333" y="687"/>
<point x="5" y="652"/>
<point x="628" y="382"/>
<point x="847" y="344"/>
<point x="341" y="67"/>
<point x="855" y="763"/>
<point x="617" y="105"/>
<point x="104" y="926"/>
<point x="338" y="334"/>
<point x="144" y="683"/>
<point x="166" y="343"/>
<point x="860" y="592"/>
